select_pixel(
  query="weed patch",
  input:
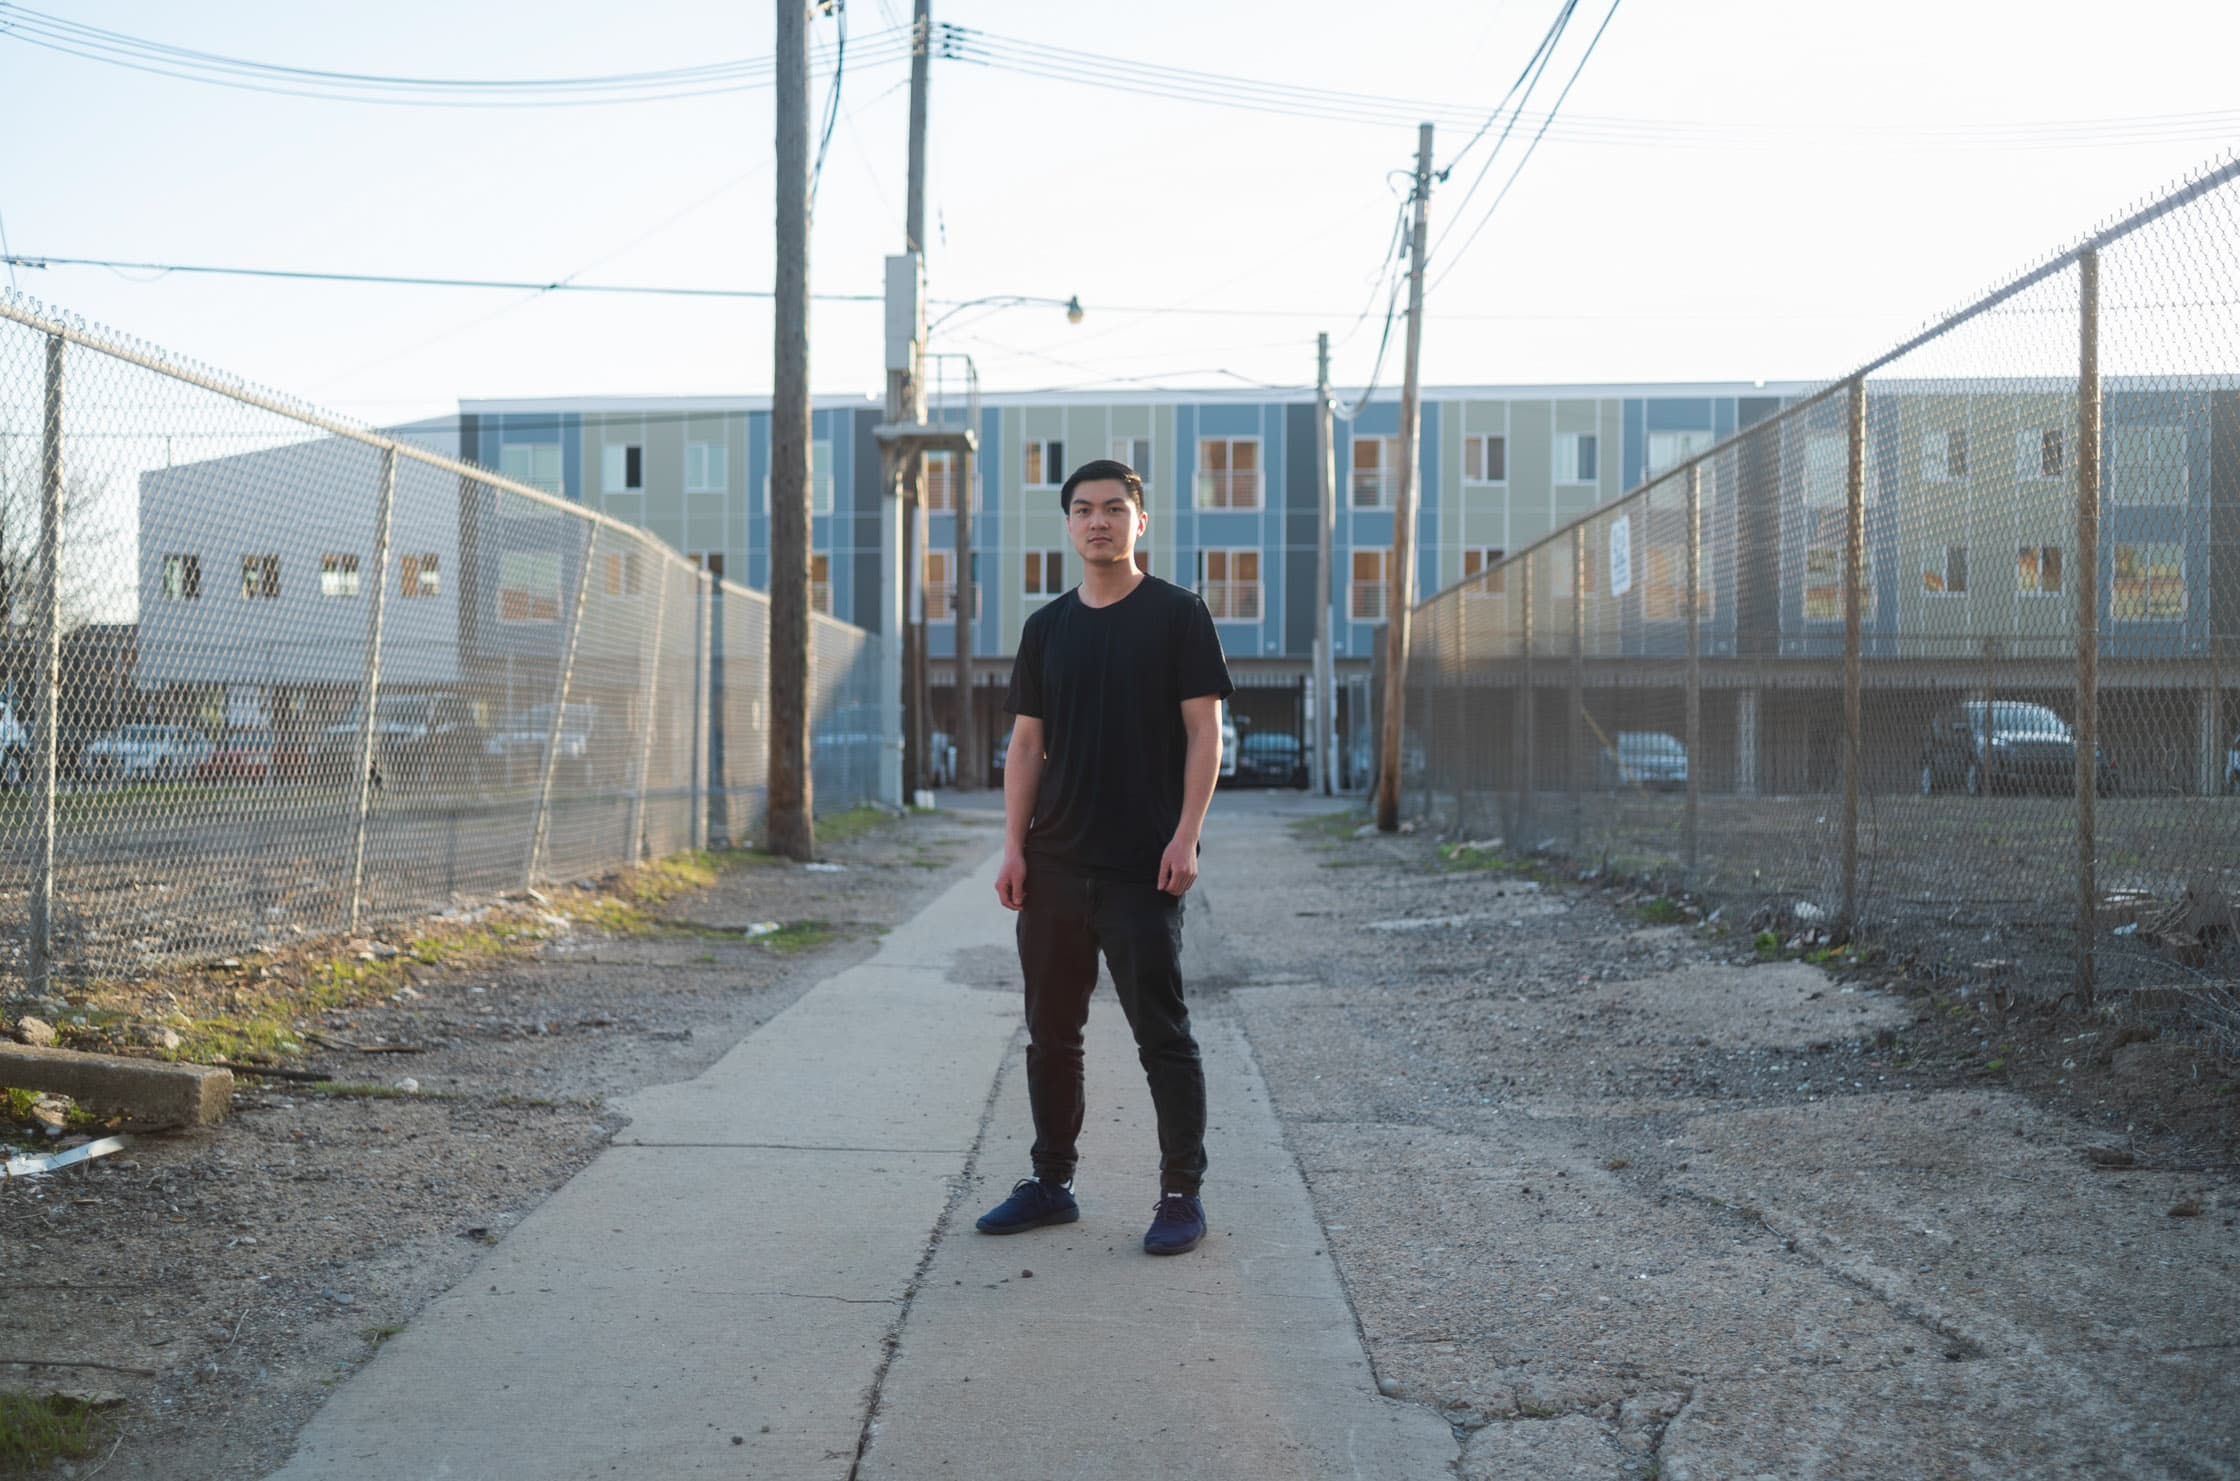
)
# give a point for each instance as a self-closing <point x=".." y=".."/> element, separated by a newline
<point x="35" y="1430"/>
<point x="1663" y="912"/>
<point x="1334" y="825"/>
<point x="840" y="827"/>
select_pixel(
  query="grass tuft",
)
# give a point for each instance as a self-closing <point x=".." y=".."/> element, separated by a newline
<point x="35" y="1430"/>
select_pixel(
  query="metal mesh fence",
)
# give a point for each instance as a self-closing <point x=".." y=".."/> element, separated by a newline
<point x="1934" y="658"/>
<point x="266" y="676"/>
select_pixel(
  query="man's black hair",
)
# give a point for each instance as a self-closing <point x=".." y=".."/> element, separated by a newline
<point x="1102" y="470"/>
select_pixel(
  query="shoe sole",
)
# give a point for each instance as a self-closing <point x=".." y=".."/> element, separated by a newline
<point x="1178" y="1249"/>
<point x="1068" y="1216"/>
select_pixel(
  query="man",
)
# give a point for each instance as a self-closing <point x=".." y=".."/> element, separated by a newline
<point x="1115" y="744"/>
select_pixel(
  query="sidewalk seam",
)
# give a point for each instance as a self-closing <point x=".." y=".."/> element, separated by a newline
<point x="957" y="1196"/>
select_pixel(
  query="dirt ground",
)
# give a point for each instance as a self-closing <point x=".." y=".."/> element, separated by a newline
<point x="229" y="1278"/>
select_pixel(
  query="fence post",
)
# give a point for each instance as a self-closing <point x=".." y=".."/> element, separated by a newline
<point x="1578" y="744"/>
<point x="559" y="712"/>
<point x="2088" y="612"/>
<point x="1695" y="663"/>
<point x="45" y="725"/>
<point x="1854" y="559"/>
<point x="703" y="665"/>
<point x="645" y="738"/>
<point x="383" y="520"/>
<point x="1528" y="721"/>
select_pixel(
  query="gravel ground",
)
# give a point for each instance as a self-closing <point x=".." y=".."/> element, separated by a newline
<point x="245" y="1270"/>
<point x="1621" y="1200"/>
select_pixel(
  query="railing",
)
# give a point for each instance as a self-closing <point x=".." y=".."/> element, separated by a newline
<point x="1937" y="658"/>
<point x="266" y="674"/>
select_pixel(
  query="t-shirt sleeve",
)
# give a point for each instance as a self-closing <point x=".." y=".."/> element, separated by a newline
<point x="1025" y="696"/>
<point x="1203" y="669"/>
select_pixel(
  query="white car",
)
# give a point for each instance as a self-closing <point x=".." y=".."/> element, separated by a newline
<point x="1228" y="746"/>
<point x="133" y="753"/>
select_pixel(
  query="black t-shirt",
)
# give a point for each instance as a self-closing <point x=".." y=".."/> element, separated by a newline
<point x="1108" y="683"/>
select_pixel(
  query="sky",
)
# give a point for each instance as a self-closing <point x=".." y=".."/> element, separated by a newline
<point x="1734" y="190"/>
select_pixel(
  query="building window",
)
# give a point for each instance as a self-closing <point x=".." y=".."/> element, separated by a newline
<point x="2147" y="465"/>
<point x="1561" y="585"/>
<point x="1045" y="465"/>
<point x="1228" y="473"/>
<point x="182" y="578"/>
<point x="1665" y="571"/>
<point x="1479" y="559"/>
<point x="820" y="475"/>
<point x="820" y="583"/>
<point x="1668" y="450"/>
<point x="338" y="575"/>
<point x="1944" y="455"/>
<point x="1576" y="458"/>
<point x="1485" y="459"/>
<point x="260" y="577"/>
<point x="941" y="482"/>
<point x="940" y="587"/>
<point x="2039" y="452"/>
<point x="1136" y="453"/>
<point x="1366" y="596"/>
<point x="419" y="576"/>
<point x="621" y="467"/>
<point x="1230" y="584"/>
<point x="1823" y="584"/>
<point x="710" y="561"/>
<point x="1376" y="472"/>
<point x="2150" y="583"/>
<point x="528" y="586"/>
<point x="619" y="573"/>
<point x="2037" y="570"/>
<point x="536" y="464"/>
<point x="707" y="467"/>
<point x="1947" y="571"/>
<point x="1046" y="573"/>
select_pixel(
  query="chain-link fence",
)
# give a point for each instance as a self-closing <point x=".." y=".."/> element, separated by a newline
<point x="1936" y="655"/>
<point x="265" y="675"/>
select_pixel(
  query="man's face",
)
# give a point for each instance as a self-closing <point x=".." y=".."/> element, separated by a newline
<point x="1104" y="522"/>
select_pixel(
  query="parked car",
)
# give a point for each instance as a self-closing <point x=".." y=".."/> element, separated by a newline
<point x="1228" y="747"/>
<point x="995" y="763"/>
<point x="417" y="739"/>
<point x="2232" y="765"/>
<point x="241" y="755"/>
<point x="515" y="749"/>
<point x="140" y="753"/>
<point x="1642" y="758"/>
<point x="2029" y="746"/>
<point x="15" y="750"/>
<point x="1270" y="758"/>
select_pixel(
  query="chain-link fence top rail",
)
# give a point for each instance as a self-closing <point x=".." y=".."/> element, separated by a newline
<point x="1574" y="697"/>
<point x="310" y="677"/>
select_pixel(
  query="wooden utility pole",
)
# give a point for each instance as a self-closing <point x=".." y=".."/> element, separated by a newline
<point x="1400" y="585"/>
<point x="789" y="831"/>
<point x="1325" y="662"/>
<point x="906" y="403"/>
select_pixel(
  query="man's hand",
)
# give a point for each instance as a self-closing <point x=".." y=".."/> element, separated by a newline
<point x="1011" y="880"/>
<point x="1178" y="866"/>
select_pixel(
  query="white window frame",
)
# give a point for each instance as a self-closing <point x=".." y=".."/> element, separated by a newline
<point x="1568" y="447"/>
<point x="621" y="574"/>
<point x="614" y="468"/>
<point x="2030" y="454"/>
<point x="1136" y="453"/>
<point x="1035" y="579"/>
<point x="338" y="576"/>
<point x="940" y="597"/>
<point x="525" y="562"/>
<point x="420" y="575"/>
<point x="182" y="577"/>
<point x="1941" y="573"/>
<point x="945" y="461"/>
<point x="540" y="465"/>
<point x="1690" y="441"/>
<point x="1356" y="584"/>
<point x="1938" y="444"/>
<point x="1831" y="574"/>
<point x="1204" y="475"/>
<point x="2036" y="556"/>
<point x="1225" y="593"/>
<point x="1489" y="558"/>
<point x="1483" y="444"/>
<point x="1035" y="458"/>
<point x="2143" y="552"/>
<point x="707" y="467"/>
<point x="1383" y="479"/>
<point x="820" y="588"/>
<point x="260" y="576"/>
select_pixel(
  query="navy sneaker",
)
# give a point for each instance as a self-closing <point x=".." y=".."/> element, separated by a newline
<point x="1032" y="1204"/>
<point x="1177" y="1225"/>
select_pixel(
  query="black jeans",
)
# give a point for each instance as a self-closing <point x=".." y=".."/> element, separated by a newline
<point x="1066" y="921"/>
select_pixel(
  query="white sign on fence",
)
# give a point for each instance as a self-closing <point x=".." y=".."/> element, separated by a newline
<point x="1621" y="555"/>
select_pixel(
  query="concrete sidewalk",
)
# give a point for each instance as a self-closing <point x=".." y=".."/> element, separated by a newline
<point x="773" y="1273"/>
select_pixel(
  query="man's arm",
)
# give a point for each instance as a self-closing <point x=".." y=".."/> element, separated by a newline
<point x="1201" y="768"/>
<point x="1022" y="777"/>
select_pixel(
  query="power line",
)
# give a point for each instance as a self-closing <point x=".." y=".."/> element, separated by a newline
<point x="1592" y="42"/>
<point x="1535" y="68"/>
<point x="517" y="285"/>
<point x="832" y="103"/>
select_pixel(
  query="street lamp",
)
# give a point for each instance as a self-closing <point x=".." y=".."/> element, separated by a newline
<point x="1072" y="307"/>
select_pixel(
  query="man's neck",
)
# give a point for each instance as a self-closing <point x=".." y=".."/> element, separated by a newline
<point x="1106" y="582"/>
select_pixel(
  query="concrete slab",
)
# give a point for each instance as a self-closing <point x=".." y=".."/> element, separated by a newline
<point x="144" y="1089"/>
<point x="1239" y="1360"/>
